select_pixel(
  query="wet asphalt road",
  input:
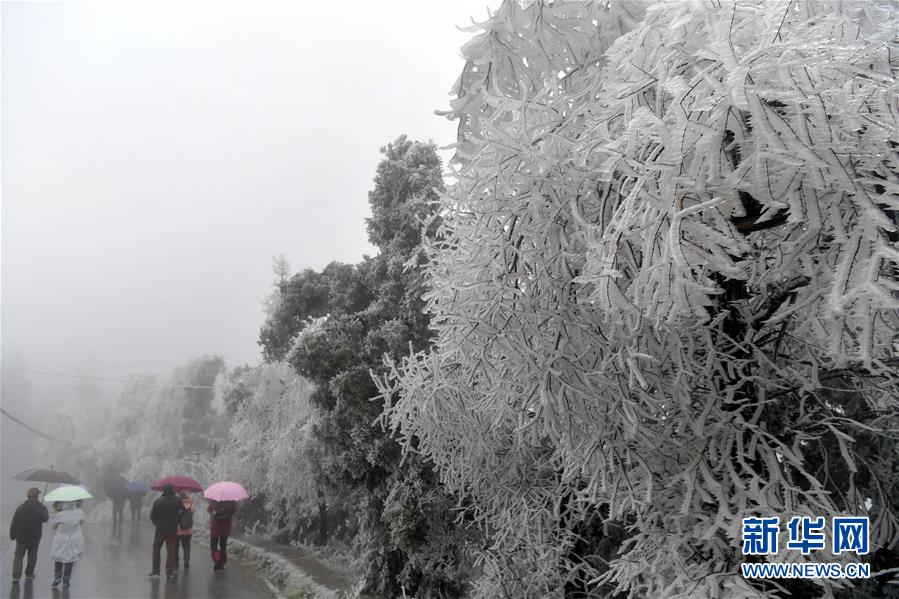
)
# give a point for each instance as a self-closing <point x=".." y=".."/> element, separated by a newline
<point x="115" y="566"/>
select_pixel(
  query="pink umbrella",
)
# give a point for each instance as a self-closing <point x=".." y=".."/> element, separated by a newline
<point x="226" y="491"/>
<point x="179" y="483"/>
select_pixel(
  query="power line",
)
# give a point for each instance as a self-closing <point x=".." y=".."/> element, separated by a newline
<point x="109" y="380"/>
<point x="36" y="431"/>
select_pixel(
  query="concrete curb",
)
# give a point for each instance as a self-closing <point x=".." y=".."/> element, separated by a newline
<point x="285" y="579"/>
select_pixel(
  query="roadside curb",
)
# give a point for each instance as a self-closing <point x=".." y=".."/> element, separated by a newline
<point x="286" y="580"/>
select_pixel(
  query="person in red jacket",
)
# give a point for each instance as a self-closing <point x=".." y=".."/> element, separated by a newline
<point x="185" y="528"/>
<point x="221" y="516"/>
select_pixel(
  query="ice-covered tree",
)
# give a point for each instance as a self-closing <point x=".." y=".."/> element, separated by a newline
<point x="270" y="447"/>
<point x="160" y="426"/>
<point x="194" y="394"/>
<point x="339" y="324"/>
<point x="664" y="290"/>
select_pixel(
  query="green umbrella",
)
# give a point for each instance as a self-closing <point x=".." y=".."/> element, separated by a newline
<point x="68" y="493"/>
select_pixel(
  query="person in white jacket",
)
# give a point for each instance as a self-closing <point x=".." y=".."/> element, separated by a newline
<point x="68" y="542"/>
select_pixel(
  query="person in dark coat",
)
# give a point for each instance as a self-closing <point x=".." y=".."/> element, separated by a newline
<point x="114" y="487"/>
<point x="221" y="516"/>
<point x="165" y="515"/>
<point x="135" y="502"/>
<point x="26" y="529"/>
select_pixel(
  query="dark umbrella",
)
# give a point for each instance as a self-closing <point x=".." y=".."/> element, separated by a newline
<point x="179" y="483"/>
<point x="114" y="485"/>
<point x="137" y="486"/>
<point x="45" y="475"/>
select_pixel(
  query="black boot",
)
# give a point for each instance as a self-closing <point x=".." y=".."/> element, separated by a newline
<point x="57" y="574"/>
<point x="67" y="574"/>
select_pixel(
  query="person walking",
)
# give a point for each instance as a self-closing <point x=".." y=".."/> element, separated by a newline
<point x="68" y="542"/>
<point x="135" y="502"/>
<point x="26" y="529"/>
<point x="165" y="515"/>
<point x="114" y="487"/>
<point x="220" y="520"/>
<point x="118" y="509"/>
<point x="185" y="529"/>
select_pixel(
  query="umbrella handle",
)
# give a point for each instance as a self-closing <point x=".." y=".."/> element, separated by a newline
<point x="47" y="484"/>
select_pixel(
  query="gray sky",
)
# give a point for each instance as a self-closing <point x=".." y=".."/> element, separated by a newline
<point x="155" y="156"/>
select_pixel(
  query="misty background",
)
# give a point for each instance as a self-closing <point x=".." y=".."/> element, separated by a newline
<point x="155" y="157"/>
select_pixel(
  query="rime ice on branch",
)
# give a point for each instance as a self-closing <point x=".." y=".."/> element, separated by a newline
<point x="665" y="294"/>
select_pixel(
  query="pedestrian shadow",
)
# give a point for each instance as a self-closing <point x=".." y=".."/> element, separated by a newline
<point x="22" y="591"/>
<point x="218" y="586"/>
<point x="173" y="589"/>
<point x="134" y="534"/>
<point x="115" y="535"/>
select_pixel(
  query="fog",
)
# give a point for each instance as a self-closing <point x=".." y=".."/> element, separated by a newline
<point x="155" y="157"/>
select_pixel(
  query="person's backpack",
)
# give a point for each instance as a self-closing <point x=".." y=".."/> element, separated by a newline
<point x="187" y="519"/>
<point x="222" y="512"/>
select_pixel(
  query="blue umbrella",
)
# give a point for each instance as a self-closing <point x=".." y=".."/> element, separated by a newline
<point x="137" y="486"/>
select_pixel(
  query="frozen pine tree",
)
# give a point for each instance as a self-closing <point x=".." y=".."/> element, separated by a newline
<point x="664" y="290"/>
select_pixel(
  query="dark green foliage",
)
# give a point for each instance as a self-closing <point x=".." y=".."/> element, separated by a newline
<point x="338" y="289"/>
<point x="405" y="190"/>
<point x="348" y="291"/>
<point x="303" y="296"/>
<point x="406" y="537"/>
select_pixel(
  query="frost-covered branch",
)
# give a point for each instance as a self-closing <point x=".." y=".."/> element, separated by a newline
<point x="671" y="231"/>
